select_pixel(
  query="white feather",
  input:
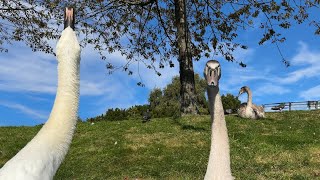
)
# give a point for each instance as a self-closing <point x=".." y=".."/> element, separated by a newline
<point x="219" y="159"/>
<point x="42" y="156"/>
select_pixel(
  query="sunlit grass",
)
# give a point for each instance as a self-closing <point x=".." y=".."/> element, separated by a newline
<point x="284" y="146"/>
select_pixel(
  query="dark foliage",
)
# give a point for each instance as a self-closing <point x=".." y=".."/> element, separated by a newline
<point x="137" y="111"/>
<point x="147" y="27"/>
<point x="117" y="114"/>
<point x="230" y="102"/>
<point x="166" y="102"/>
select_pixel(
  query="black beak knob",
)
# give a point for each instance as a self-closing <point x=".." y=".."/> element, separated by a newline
<point x="69" y="17"/>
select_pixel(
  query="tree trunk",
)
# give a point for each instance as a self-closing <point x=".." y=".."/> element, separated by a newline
<point x="187" y="91"/>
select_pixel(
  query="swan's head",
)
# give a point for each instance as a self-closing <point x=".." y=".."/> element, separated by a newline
<point x="212" y="73"/>
<point x="69" y="17"/>
<point x="68" y="47"/>
<point x="243" y="90"/>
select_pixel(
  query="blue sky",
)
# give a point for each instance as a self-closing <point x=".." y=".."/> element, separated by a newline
<point x="28" y="79"/>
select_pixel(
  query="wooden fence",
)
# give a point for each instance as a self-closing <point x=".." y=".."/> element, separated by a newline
<point x="302" y="105"/>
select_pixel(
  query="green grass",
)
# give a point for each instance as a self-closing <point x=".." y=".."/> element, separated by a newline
<point x="283" y="146"/>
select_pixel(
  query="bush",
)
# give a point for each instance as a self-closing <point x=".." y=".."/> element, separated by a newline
<point x="136" y="112"/>
<point x="116" y="114"/>
<point x="166" y="102"/>
<point x="230" y="102"/>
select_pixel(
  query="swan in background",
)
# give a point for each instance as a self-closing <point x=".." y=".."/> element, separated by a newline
<point x="219" y="159"/>
<point x="249" y="110"/>
<point x="42" y="156"/>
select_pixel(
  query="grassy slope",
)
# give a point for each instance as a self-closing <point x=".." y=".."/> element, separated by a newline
<point x="283" y="146"/>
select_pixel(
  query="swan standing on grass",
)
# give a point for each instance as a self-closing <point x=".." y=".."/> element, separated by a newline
<point x="249" y="110"/>
<point x="219" y="159"/>
<point x="42" y="156"/>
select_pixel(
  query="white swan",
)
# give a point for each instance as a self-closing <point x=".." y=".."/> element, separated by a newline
<point x="250" y="110"/>
<point x="42" y="156"/>
<point x="219" y="159"/>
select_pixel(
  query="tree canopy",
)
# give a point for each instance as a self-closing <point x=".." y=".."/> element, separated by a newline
<point x="230" y="101"/>
<point x="156" y="32"/>
<point x="144" y="30"/>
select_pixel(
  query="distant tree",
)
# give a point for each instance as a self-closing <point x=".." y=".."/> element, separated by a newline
<point x="155" y="97"/>
<point x="136" y="112"/>
<point x="170" y="104"/>
<point x="166" y="102"/>
<point x="230" y="102"/>
<point x="116" y="114"/>
<point x="95" y="119"/>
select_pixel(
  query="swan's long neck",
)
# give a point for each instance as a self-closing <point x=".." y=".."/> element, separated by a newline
<point x="64" y="113"/>
<point x="58" y="131"/>
<point x="219" y="159"/>
<point x="249" y="101"/>
<point x="41" y="157"/>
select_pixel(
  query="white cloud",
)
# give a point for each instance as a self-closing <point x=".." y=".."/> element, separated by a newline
<point x="152" y="80"/>
<point x="24" y="73"/>
<point x="24" y="109"/>
<point x="308" y="63"/>
<point x="239" y="75"/>
<point x="305" y="55"/>
<point x="270" y="89"/>
<point x="88" y="88"/>
<point x="234" y="77"/>
<point x="244" y="55"/>
<point x="311" y="94"/>
<point x="37" y="72"/>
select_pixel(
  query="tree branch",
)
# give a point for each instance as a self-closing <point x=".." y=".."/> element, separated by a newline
<point x="162" y="23"/>
<point x="276" y="42"/>
<point x="14" y="9"/>
<point x="137" y="3"/>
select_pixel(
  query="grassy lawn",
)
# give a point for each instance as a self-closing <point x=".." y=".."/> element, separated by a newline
<point x="283" y="146"/>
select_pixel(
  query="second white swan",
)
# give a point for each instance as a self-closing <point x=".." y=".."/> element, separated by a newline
<point x="250" y="110"/>
<point x="219" y="159"/>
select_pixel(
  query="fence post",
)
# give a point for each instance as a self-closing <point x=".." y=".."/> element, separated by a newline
<point x="289" y="106"/>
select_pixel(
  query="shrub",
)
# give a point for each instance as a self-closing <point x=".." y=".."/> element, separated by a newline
<point x="166" y="102"/>
<point x="230" y="101"/>
<point x="116" y="114"/>
<point x="136" y="112"/>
